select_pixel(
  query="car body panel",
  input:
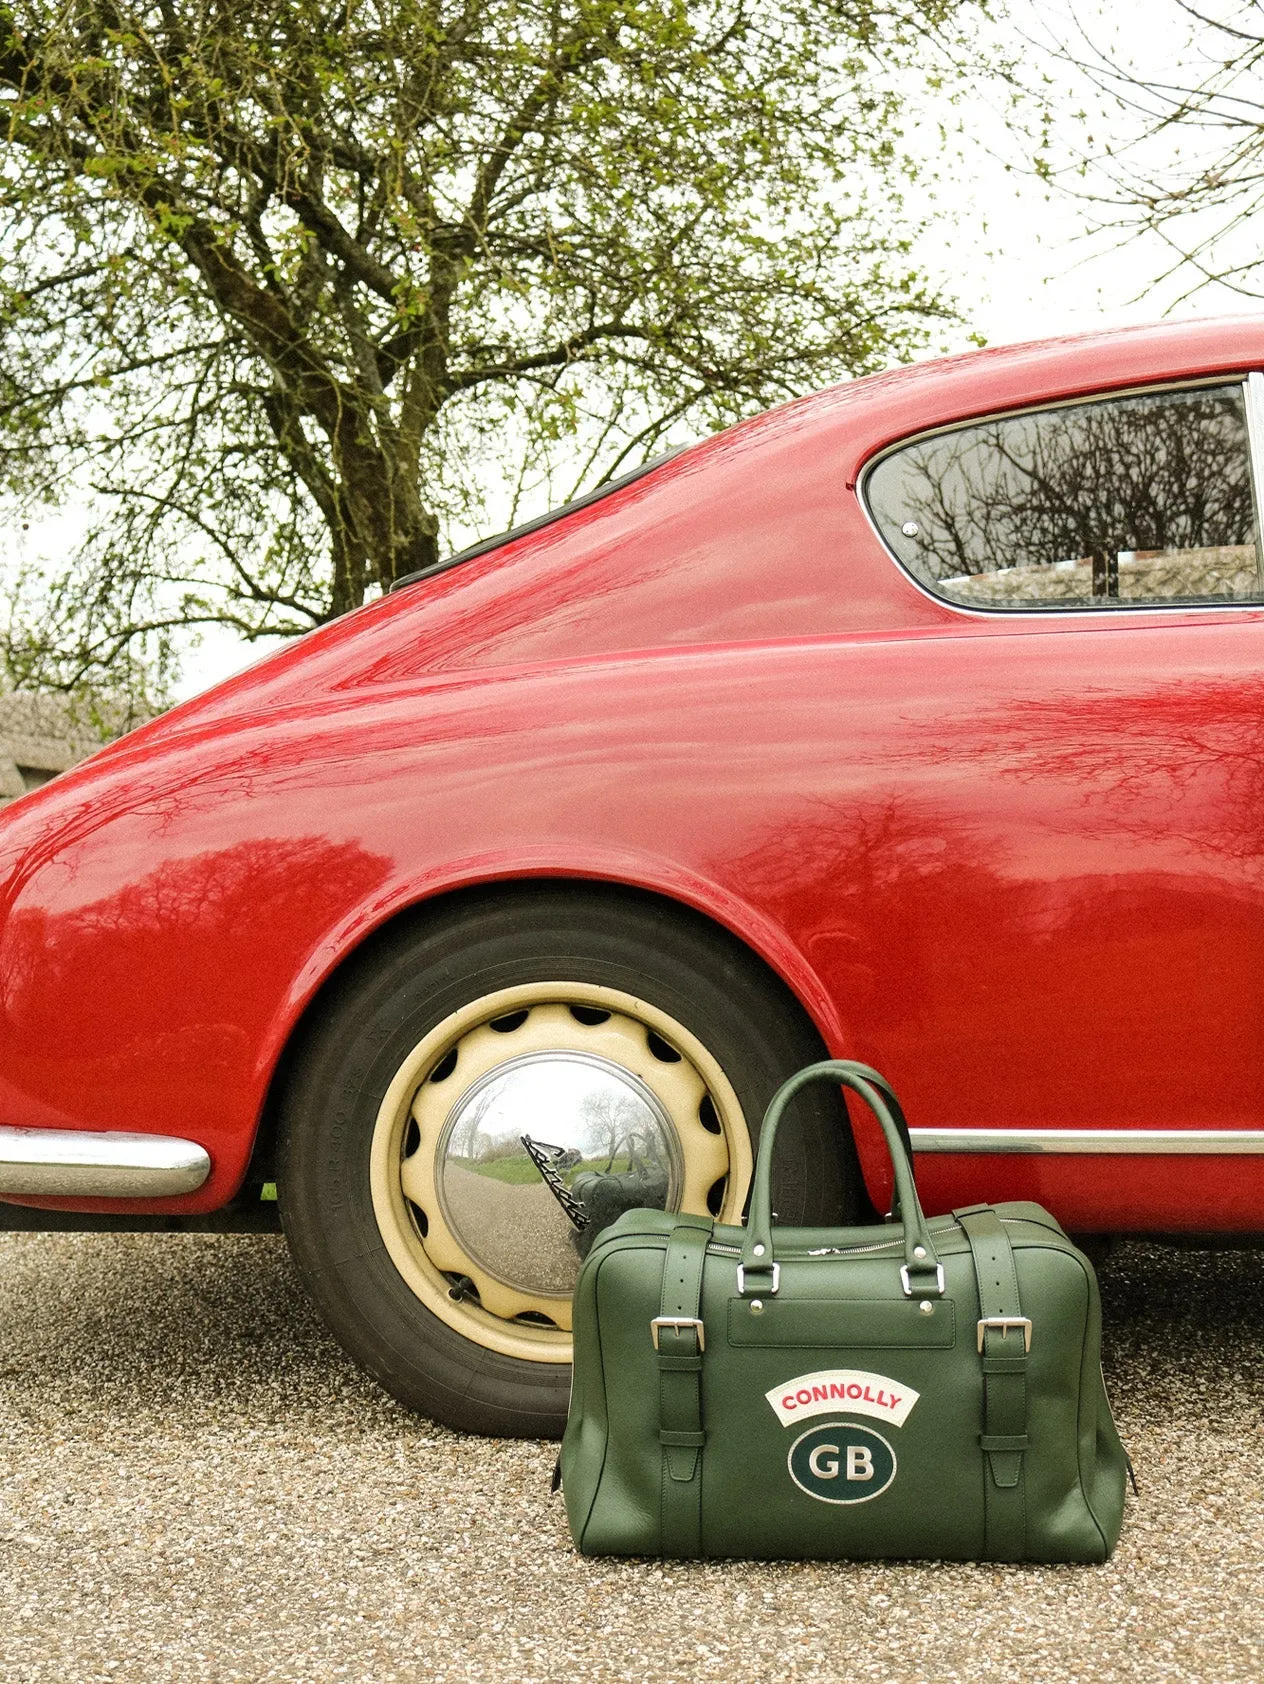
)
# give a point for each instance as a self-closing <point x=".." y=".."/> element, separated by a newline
<point x="1013" y="861"/>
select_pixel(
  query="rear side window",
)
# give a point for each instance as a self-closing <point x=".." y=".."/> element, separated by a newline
<point x="1116" y="503"/>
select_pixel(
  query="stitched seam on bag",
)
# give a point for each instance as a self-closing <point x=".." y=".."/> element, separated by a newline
<point x="605" y="1442"/>
<point x="1086" y="1485"/>
<point x="605" y="1391"/>
<point x="1022" y="1497"/>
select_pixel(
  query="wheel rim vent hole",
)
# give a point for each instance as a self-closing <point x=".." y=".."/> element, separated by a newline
<point x="715" y="1198"/>
<point x="511" y="1021"/>
<point x="663" y="1050"/>
<point x="708" y="1116"/>
<point x="445" y="1067"/>
<point x="591" y="1015"/>
<point x="412" y="1137"/>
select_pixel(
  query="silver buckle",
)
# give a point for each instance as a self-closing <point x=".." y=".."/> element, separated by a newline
<point x="939" y="1280"/>
<point x="1005" y="1323"/>
<point x="678" y="1322"/>
<point x="776" y="1280"/>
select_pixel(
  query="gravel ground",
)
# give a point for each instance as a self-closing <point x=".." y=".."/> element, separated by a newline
<point x="195" y="1484"/>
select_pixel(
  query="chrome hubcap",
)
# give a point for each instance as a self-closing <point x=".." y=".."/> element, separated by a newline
<point x="519" y="1127"/>
<point x="585" y="1117"/>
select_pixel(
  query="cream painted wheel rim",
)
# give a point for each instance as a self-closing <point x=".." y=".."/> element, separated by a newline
<point x="429" y="1233"/>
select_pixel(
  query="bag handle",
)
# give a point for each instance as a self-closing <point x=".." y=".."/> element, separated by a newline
<point x="876" y="1079"/>
<point x="922" y="1271"/>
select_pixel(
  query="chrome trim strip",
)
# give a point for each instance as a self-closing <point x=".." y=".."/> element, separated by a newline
<point x="1047" y="616"/>
<point x="1253" y="392"/>
<point x="1108" y="1143"/>
<point x="585" y="499"/>
<point x="82" y="1163"/>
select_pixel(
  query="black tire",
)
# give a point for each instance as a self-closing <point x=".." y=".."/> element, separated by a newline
<point x="403" y="983"/>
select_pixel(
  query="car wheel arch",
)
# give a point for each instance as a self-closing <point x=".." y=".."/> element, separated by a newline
<point x="750" y="937"/>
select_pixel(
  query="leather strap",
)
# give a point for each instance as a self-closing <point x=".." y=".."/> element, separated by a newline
<point x="921" y="1275"/>
<point x="680" y="1429"/>
<point x="1004" y="1364"/>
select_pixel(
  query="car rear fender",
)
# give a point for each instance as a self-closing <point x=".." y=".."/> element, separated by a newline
<point x="653" y="880"/>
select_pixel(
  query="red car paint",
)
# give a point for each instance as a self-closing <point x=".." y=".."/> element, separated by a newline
<point x="1013" y="862"/>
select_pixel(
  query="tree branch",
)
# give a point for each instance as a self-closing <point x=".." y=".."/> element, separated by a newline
<point x="567" y="352"/>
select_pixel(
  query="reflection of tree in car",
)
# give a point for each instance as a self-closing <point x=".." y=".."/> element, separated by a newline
<point x="1199" y="748"/>
<point x="613" y="1122"/>
<point x="185" y="926"/>
<point x="624" y="1169"/>
<point x="1145" y="497"/>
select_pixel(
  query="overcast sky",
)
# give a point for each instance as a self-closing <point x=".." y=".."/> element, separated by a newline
<point x="1015" y="255"/>
<point x="1021" y="257"/>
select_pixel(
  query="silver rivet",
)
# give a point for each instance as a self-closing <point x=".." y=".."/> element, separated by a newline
<point x="919" y="1251"/>
<point x="759" y="1251"/>
<point x="757" y="1306"/>
<point x="926" y="1307"/>
<point x="909" y="529"/>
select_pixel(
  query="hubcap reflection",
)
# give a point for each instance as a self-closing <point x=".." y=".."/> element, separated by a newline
<point x="519" y="1127"/>
<point x="599" y="1134"/>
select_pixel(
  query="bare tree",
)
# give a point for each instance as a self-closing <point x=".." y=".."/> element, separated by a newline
<point x="1174" y="159"/>
<point x="291" y="287"/>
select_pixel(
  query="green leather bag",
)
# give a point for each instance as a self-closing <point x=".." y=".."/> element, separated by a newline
<point x="927" y="1390"/>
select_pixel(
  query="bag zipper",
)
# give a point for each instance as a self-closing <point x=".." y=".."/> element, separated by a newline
<point x="722" y="1250"/>
<point x="818" y="1251"/>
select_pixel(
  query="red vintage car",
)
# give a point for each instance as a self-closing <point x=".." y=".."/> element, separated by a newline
<point x="920" y="721"/>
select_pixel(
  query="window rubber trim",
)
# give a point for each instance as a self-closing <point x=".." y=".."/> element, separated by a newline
<point x="1255" y="451"/>
<point x="485" y="545"/>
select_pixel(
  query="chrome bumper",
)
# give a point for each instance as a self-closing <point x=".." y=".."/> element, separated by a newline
<point x="79" y="1163"/>
<point x="1108" y="1143"/>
